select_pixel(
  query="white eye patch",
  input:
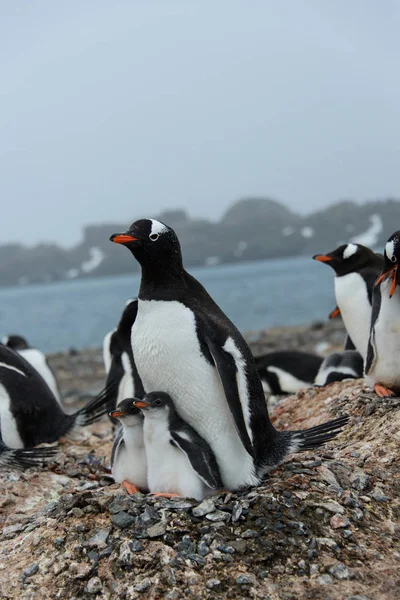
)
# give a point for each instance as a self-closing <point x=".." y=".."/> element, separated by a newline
<point x="350" y="250"/>
<point x="389" y="249"/>
<point x="157" y="228"/>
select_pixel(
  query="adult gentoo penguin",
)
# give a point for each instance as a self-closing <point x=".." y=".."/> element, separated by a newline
<point x="29" y="413"/>
<point x="338" y="366"/>
<point x="119" y="362"/>
<point x="128" y="457"/>
<point x="23" y="458"/>
<point x="382" y="367"/>
<point x="179" y="460"/>
<point x="186" y="346"/>
<point x="356" y="269"/>
<point x="287" y="371"/>
<point x="37" y="359"/>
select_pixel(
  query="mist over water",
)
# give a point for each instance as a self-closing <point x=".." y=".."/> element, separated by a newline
<point x="257" y="295"/>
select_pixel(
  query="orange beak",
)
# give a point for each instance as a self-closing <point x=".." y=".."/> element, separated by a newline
<point x="141" y="404"/>
<point x="392" y="272"/>
<point x="122" y="238"/>
<point x="322" y="258"/>
<point x="334" y="313"/>
<point x="117" y="413"/>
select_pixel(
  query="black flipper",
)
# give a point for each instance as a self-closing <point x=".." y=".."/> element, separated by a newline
<point x="227" y="371"/>
<point x="95" y="408"/>
<point x="201" y="457"/>
<point x="23" y="458"/>
<point x="117" y="444"/>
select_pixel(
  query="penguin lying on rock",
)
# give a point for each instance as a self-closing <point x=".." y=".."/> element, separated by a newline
<point x="339" y="366"/>
<point x="29" y="412"/>
<point x="24" y="458"/>
<point x="36" y="358"/>
<point x="186" y="346"/>
<point x="382" y="367"/>
<point x="287" y="371"/>
<point x="356" y="270"/>
<point x="122" y="375"/>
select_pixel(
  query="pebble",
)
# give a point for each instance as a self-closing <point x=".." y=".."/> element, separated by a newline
<point x="142" y="586"/>
<point x="360" y="480"/>
<point x="205" y="508"/>
<point x="249" y="533"/>
<point x="157" y="530"/>
<point x="338" y="521"/>
<point x="11" y="530"/>
<point x="212" y="583"/>
<point x="378" y="495"/>
<point x="328" y="542"/>
<point x="236" y="512"/>
<point x="122" y="520"/>
<point x="218" y="515"/>
<point x="339" y="571"/>
<point x="99" y="538"/>
<point x="94" y="585"/>
<point x="31" y="570"/>
<point x="79" y="570"/>
<point x="325" y="579"/>
<point x="247" y="579"/>
<point x="203" y="549"/>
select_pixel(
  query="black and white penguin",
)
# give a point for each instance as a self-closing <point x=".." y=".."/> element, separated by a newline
<point x="25" y="457"/>
<point x="29" y="413"/>
<point x="36" y="358"/>
<point x="356" y="269"/>
<point x="382" y="367"/>
<point x="128" y="457"/>
<point x="287" y="371"/>
<point x="179" y="460"/>
<point x="186" y="346"/>
<point x="339" y="366"/>
<point x="119" y="362"/>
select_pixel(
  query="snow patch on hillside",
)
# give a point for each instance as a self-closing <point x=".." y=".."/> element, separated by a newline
<point x="307" y="232"/>
<point x="96" y="257"/>
<point x="371" y="236"/>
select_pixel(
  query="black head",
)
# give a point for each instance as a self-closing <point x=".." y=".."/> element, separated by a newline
<point x="347" y="258"/>
<point x="155" y="401"/>
<point x="15" y="342"/>
<point x="127" y="412"/>
<point x="151" y="242"/>
<point x="391" y="258"/>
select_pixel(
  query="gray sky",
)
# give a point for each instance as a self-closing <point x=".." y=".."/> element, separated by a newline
<point x="112" y="110"/>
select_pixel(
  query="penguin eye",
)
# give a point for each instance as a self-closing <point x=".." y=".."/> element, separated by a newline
<point x="158" y="401"/>
<point x="393" y="259"/>
<point x="154" y="237"/>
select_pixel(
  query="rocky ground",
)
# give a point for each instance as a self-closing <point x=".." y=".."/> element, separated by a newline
<point x="324" y="525"/>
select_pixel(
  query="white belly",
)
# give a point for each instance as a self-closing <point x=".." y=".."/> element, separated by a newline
<point x="168" y="468"/>
<point x="168" y="357"/>
<point x="352" y="300"/>
<point x="8" y="425"/>
<point x="385" y="369"/>
<point x="131" y="463"/>
<point x="38" y="362"/>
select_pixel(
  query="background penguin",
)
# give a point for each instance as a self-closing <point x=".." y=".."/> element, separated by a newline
<point x="36" y="358"/>
<point x="128" y="457"/>
<point x="287" y="371"/>
<point x="119" y="362"/>
<point x="179" y="461"/>
<point x="29" y="413"/>
<point x="186" y="346"/>
<point x="356" y="268"/>
<point x="25" y="458"/>
<point x="382" y="367"/>
<point x="339" y="366"/>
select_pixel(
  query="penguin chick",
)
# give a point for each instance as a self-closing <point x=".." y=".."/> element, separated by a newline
<point x="339" y="366"/>
<point x="36" y="358"/>
<point x="382" y="367"/>
<point x="24" y="458"/>
<point x="29" y="413"/>
<point x="128" y="457"/>
<point x="179" y="461"/>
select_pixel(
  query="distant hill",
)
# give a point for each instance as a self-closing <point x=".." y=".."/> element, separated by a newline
<point x="251" y="229"/>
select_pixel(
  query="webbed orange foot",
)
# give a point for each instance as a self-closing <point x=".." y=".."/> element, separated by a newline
<point x="382" y="391"/>
<point x="130" y="487"/>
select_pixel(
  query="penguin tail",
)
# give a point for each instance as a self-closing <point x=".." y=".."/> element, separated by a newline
<point x="26" y="457"/>
<point x="95" y="408"/>
<point x="308" y="439"/>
